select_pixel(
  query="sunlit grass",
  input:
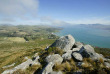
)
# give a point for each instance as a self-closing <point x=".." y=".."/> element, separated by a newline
<point x="15" y="52"/>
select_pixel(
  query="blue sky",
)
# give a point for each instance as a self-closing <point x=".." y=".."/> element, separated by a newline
<point x="56" y="12"/>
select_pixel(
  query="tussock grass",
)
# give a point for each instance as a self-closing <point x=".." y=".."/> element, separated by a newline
<point x="66" y="67"/>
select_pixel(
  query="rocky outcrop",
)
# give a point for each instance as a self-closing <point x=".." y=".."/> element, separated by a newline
<point x="55" y="58"/>
<point x="72" y="50"/>
<point x="65" y="43"/>
<point x="88" y="52"/>
<point x="23" y="65"/>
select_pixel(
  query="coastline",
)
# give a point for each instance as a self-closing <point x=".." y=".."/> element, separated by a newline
<point x="60" y="33"/>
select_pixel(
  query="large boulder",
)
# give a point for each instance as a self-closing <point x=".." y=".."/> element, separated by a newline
<point x="55" y="58"/>
<point x="65" y="43"/>
<point x="48" y="68"/>
<point x="87" y="51"/>
<point x="67" y="55"/>
<point x="77" y="56"/>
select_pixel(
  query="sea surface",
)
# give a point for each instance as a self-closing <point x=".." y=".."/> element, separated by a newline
<point x="93" y="36"/>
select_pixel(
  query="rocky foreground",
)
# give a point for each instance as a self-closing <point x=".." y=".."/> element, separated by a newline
<point x="68" y="56"/>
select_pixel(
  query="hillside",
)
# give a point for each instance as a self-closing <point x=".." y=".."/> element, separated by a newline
<point x="64" y="56"/>
<point x="16" y="42"/>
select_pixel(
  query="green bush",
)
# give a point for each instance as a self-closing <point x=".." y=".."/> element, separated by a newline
<point x="55" y="50"/>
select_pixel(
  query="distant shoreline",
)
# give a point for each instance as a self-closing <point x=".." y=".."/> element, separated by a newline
<point x="58" y="34"/>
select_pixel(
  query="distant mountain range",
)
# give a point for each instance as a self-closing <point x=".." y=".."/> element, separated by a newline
<point x="99" y="26"/>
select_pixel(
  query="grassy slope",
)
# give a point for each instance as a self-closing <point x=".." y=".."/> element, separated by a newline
<point x="15" y="52"/>
<point x="13" y="47"/>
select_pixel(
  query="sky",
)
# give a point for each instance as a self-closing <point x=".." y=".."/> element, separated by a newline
<point x="54" y="12"/>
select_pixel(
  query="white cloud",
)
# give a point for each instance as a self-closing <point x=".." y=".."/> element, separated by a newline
<point x="18" y="8"/>
<point x="92" y="20"/>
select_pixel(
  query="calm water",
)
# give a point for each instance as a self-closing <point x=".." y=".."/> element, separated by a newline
<point x="92" y="36"/>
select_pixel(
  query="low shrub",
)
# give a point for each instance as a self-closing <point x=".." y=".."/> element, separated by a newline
<point x="55" y="50"/>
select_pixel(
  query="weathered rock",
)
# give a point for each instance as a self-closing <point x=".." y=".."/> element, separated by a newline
<point x="77" y="56"/>
<point x="107" y="64"/>
<point x="76" y="49"/>
<point x="67" y="55"/>
<point x="78" y="44"/>
<point x="55" y="58"/>
<point x="48" y="68"/>
<point x="8" y="66"/>
<point x="54" y="72"/>
<point x="65" y="43"/>
<point x="87" y="51"/>
<point x="23" y="66"/>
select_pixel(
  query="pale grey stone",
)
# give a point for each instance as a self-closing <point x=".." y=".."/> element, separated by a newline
<point x="55" y="58"/>
<point x="78" y="44"/>
<point x="23" y="66"/>
<point x="77" y="56"/>
<point x="76" y="49"/>
<point x="8" y="66"/>
<point x="107" y="64"/>
<point x="65" y="43"/>
<point x="66" y="56"/>
<point x="48" y="68"/>
<point x="87" y="51"/>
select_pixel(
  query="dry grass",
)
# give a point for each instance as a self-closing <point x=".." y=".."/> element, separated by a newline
<point x="101" y="60"/>
<point x="92" y="65"/>
<point x="20" y="72"/>
<point x="88" y="64"/>
<point x="62" y="67"/>
<point x="67" y="66"/>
